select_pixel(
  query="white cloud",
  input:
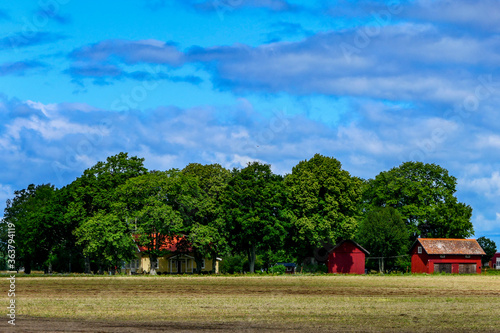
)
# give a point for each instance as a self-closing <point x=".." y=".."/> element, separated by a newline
<point x="485" y="186"/>
<point x="484" y="224"/>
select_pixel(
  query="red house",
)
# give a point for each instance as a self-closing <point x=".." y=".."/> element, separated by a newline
<point x="347" y="257"/>
<point x="446" y="255"/>
<point x="495" y="261"/>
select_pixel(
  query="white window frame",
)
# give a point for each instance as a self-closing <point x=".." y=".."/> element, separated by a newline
<point x="419" y="250"/>
<point x="203" y="263"/>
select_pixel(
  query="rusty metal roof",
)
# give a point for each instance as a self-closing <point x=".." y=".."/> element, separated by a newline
<point x="451" y="246"/>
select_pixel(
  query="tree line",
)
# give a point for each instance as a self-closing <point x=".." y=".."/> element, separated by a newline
<point x="97" y="221"/>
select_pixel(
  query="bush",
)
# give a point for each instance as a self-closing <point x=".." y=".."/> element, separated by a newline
<point x="277" y="269"/>
<point x="239" y="263"/>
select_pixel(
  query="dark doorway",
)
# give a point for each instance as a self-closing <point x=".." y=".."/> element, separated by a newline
<point x="467" y="268"/>
<point x="442" y="268"/>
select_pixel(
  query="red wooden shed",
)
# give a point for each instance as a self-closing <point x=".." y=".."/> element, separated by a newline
<point x="495" y="261"/>
<point x="347" y="257"/>
<point x="446" y="255"/>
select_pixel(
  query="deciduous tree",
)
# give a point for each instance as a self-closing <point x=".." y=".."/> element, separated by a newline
<point x="383" y="233"/>
<point x="489" y="247"/>
<point x="148" y="202"/>
<point x="322" y="205"/>
<point x="37" y="218"/>
<point x="207" y="232"/>
<point x="253" y="200"/>
<point x="424" y="195"/>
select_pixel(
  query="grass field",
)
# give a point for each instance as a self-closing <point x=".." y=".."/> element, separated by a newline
<point x="257" y="303"/>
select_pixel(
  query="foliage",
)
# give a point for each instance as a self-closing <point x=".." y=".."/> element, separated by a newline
<point x="253" y="201"/>
<point x="212" y="211"/>
<point x="383" y="233"/>
<point x="239" y="264"/>
<point x="37" y="218"/>
<point x="424" y="195"/>
<point x="277" y="269"/>
<point x="205" y="227"/>
<point x="315" y="268"/>
<point x="148" y="201"/>
<point x="106" y="237"/>
<point x="489" y="247"/>
<point x="322" y="204"/>
<point x="270" y="257"/>
<point x="95" y="192"/>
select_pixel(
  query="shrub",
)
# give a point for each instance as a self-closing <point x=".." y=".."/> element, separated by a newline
<point x="277" y="269"/>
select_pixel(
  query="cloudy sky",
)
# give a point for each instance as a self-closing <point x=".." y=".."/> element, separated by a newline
<point x="371" y="83"/>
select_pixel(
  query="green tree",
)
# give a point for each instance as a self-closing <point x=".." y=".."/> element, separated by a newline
<point x="95" y="192"/>
<point x="384" y="234"/>
<point x="37" y="218"/>
<point x="322" y="205"/>
<point x="424" y="195"/>
<point x="207" y="232"/>
<point x="148" y="202"/>
<point x="489" y="247"/>
<point x="253" y="202"/>
<point x="107" y="238"/>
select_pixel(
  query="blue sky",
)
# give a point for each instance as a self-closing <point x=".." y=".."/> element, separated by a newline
<point x="371" y="83"/>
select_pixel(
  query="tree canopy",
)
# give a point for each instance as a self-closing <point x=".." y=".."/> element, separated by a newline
<point x="253" y="202"/>
<point x="424" y="195"/>
<point x="98" y="220"/>
<point x="322" y="203"/>
<point x="383" y="233"/>
<point x="489" y="247"/>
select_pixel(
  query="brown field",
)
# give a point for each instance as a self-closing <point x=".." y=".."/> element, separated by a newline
<point x="256" y="304"/>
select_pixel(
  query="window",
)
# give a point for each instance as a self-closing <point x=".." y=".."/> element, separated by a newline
<point x="419" y="250"/>
<point x="442" y="256"/>
<point x="157" y="263"/>
<point x="467" y="256"/>
<point x="202" y="263"/>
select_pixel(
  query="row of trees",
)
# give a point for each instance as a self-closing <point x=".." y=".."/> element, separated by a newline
<point x="96" y="221"/>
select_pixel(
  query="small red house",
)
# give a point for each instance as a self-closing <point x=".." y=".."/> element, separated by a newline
<point x="446" y="255"/>
<point x="495" y="261"/>
<point x="347" y="257"/>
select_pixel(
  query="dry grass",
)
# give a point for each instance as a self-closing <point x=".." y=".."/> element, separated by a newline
<point x="315" y="303"/>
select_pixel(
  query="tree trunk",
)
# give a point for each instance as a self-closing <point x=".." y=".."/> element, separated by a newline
<point x="381" y="265"/>
<point x="152" y="264"/>
<point x="27" y="265"/>
<point x="251" y="258"/>
<point x="87" y="265"/>
<point x="49" y="266"/>
<point x="199" y="263"/>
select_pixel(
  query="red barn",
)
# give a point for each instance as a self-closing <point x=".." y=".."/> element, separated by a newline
<point x="495" y="261"/>
<point x="347" y="257"/>
<point x="447" y="255"/>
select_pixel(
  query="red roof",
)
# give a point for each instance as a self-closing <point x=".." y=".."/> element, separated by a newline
<point x="353" y="242"/>
<point x="169" y="244"/>
<point x="450" y="246"/>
